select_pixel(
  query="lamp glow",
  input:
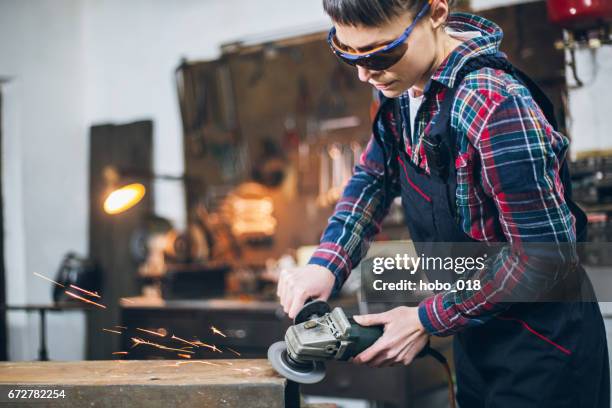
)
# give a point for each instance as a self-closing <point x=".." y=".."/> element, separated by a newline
<point x="124" y="198"/>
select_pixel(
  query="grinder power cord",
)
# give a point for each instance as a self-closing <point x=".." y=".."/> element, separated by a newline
<point x="319" y="334"/>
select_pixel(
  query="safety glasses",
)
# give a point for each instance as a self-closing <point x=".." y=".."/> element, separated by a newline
<point x="379" y="58"/>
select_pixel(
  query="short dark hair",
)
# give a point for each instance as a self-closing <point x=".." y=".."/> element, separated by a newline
<point x="369" y="13"/>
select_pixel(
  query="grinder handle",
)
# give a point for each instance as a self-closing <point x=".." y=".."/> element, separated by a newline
<point x="364" y="336"/>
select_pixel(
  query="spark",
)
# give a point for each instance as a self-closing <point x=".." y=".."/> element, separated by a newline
<point x="112" y="331"/>
<point x="217" y="331"/>
<point x="74" y="295"/>
<point x="233" y="351"/>
<point x="138" y="341"/>
<point x="184" y="355"/>
<point x="186" y="348"/>
<point x="93" y="294"/>
<point x="151" y="332"/>
<point x="184" y="341"/>
<point x="122" y="353"/>
<point x="212" y="347"/>
<point x="50" y="280"/>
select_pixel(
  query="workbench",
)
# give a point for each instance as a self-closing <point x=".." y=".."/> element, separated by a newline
<point x="150" y="384"/>
<point x="252" y="325"/>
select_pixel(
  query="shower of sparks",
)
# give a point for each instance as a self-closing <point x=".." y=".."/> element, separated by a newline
<point x="47" y="279"/>
<point x="74" y="295"/>
<point x="138" y="341"/>
<point x="233" y="351"/>
<point x="112" y="331"/>
<point x="184" y="355"/>
<point x="184" y="341"/>
<point x="151" y="332"/>
<point x="92" y="294"/>
<point x="120" y="353"/>
<point x="212" y="347"/>
<point x="217" y="331"/>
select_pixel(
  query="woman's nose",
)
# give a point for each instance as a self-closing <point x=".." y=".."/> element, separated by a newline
<point x="364" y="74"/>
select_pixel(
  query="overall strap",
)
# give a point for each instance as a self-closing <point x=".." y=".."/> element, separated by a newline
<point x="440" y="151"/>
<point x="440" y="147"/>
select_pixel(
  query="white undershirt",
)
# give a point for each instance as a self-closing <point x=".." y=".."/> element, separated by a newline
<point x="416" y="101"/>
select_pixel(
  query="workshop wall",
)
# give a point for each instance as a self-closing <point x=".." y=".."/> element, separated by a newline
<point x="590" y="105"/>
<point x="45" y="162"/>
<point x="134" y="47"/>
<point x="75" y="63"/>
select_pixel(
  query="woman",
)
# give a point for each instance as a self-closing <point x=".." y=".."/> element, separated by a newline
<point x="470" y="145"/>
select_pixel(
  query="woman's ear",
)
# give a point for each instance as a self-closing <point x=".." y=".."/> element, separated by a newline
<point x="439" y="13"/>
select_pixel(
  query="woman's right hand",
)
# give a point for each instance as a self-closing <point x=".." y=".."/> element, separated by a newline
<point x="296" y="285"/>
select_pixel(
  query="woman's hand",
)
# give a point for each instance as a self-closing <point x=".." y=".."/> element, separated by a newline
<point x="296" y="285"/>
<point x="404" y="337"/>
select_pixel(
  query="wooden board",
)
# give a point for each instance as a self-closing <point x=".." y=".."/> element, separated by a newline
<point x="184" y="383"/>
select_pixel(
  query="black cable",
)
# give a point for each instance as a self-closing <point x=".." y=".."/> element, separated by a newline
<point x="449" y="376"/>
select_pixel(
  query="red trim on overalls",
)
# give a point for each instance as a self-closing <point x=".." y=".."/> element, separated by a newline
<point x="540" y="335"/>
<point x="414" y="186"/>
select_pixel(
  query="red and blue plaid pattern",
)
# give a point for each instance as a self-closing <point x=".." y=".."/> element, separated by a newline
<point x="508" y="183"/>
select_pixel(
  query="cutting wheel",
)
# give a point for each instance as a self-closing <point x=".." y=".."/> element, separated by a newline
<point x="309" y="372"/>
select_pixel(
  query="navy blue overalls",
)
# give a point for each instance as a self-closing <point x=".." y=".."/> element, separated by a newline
<point x="532" y="354"/>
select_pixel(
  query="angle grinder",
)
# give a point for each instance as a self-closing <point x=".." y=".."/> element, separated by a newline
<point x="320" y="334"/>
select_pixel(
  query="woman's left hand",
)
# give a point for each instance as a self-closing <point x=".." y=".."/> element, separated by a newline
<point x="404" y="337"/>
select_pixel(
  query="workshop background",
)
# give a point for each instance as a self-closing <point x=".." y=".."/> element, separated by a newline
<point x="240" y="128"/>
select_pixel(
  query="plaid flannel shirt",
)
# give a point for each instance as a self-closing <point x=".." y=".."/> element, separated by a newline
<point x="508" y="183"/>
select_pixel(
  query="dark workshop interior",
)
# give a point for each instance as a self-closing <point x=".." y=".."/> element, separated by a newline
<point x="162" y="162"/>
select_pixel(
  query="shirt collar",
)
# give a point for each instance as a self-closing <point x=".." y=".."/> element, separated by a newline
<point x="487" y="43"/>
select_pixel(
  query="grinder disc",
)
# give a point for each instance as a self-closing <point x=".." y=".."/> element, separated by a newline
<point x="309" y="372"/>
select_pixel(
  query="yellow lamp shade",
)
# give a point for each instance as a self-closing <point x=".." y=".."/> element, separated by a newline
<point x="124" y="198"/>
